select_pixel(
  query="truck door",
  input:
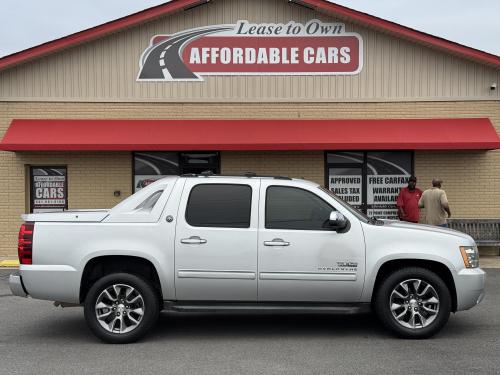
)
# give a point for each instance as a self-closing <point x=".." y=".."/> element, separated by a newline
<point x="300" y="258"/>
<point x="216" y="240"/>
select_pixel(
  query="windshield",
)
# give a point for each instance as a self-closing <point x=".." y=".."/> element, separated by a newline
<point x="361" y="216"/>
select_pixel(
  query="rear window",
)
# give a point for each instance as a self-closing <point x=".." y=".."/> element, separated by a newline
<point x="219" y="205"/>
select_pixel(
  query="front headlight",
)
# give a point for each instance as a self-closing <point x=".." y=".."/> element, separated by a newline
<point x="470" y="256"/>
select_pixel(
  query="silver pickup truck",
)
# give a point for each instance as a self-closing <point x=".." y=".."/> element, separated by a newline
<point x="216" y="243"/>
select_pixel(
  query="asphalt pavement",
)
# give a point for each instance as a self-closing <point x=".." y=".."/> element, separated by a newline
<point x="38" y="338"/>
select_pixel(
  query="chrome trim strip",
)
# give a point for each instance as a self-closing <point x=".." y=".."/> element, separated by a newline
<point x="307" y="276"/>
<point x="206" y="274"/>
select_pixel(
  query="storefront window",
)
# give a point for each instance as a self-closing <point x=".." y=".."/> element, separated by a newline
<point x="48" y="189"/>
<point x="151" y="166"/>
<point x="387" y="173"/>
<point x="345" y="182"/>
<point x="371" y="180"/>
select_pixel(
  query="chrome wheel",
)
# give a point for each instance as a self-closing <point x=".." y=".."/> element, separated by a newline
<point x="119" y="308"/>
<point x="414" y="303"/>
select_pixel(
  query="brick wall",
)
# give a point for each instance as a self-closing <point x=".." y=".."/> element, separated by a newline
<point x="471" y="178"/>
<point x="92" y="179"/>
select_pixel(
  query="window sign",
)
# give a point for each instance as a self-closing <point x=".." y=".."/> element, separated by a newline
<point x="369" y="181"/>
<point x="49" y="189"/>
<point x="346" y="183"/>
<point x="387" y="173"/>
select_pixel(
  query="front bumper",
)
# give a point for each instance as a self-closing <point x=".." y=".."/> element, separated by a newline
<point x="16" y="285"/>
<point x="470" y="287"/>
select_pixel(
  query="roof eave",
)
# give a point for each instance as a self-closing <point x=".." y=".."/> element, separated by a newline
<point x="405" y="32"/>
<point x="175" y="5"/>
<point x="95" y="32"/>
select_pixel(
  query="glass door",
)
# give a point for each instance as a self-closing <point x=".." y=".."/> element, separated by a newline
<point x="386" y="173"/>
<point x="369" y="180"/>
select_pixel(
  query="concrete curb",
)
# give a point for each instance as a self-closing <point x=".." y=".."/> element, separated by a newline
<point x="11" y="263"/>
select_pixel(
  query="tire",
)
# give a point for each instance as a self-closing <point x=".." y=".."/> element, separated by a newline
<point x="127" y="305"/>
<point x="422" y="312"/>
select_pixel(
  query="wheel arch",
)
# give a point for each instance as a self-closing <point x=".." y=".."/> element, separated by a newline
<point x="438" y="268"/>
<point x="99" y="266"/>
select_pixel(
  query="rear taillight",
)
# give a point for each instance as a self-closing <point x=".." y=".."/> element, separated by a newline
<point x="25" y="243"/>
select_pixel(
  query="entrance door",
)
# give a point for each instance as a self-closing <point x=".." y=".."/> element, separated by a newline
<point x="216" y="240"/>
<point x="369" y="180"/>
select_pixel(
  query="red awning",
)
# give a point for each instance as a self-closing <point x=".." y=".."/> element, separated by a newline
<point x="221" y="135"/>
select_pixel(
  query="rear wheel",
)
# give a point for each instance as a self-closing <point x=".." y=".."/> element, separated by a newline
<point x="121" y="308"/>
<point x="414" y="303"/>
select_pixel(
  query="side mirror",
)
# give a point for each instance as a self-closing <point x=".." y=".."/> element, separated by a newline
<point x="337" y="220"/>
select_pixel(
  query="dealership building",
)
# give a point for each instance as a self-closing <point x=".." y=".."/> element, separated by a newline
<point x="305" y="89"/>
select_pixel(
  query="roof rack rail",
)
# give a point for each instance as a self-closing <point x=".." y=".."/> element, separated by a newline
<point x="253" y="174"/>
<point x="245" y="174"/>
<point x="207" y="173"/>
<point x="201" y="174"/>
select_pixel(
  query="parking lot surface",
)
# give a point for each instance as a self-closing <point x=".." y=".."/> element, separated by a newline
<point x="38" y="338"/>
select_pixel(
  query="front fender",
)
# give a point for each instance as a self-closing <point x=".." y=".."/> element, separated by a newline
<point x="373" y="270"/>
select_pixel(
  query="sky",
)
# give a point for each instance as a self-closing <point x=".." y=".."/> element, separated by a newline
<point x="27" y="23"/>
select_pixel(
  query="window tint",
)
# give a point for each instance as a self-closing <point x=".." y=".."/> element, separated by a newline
<point x="294" y="208"/>
<point x="219" y="205"/>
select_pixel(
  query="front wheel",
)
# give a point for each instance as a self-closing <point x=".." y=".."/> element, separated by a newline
<point x="120" y="308"/>
<point x="414" y="303"/>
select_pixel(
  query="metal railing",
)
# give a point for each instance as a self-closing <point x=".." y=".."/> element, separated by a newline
<point x="486" y="232"/>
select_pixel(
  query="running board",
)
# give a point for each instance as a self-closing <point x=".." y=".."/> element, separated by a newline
<point x="262" y="307"/>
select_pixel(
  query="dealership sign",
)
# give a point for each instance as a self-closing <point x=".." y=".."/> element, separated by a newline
<point x="49" y="189"/>
<point x="314" y="48"/>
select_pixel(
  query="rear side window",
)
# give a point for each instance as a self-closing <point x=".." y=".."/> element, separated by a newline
<point x="294" y="208"/>
<point x="219" y="205"/>
<point x="149" y="202"/>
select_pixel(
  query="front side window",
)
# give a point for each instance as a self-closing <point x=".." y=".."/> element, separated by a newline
<point x="294" y="208"/>
<point x="219" y="205"/>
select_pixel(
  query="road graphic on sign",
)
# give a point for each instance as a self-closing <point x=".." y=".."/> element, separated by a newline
<point x="163" y="61"/>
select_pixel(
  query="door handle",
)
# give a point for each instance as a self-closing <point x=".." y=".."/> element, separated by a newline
<point x="276" y="242"/>
<point x="194" y="240"/>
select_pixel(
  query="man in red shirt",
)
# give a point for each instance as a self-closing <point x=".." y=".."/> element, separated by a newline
<point x="407" y="201"/>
